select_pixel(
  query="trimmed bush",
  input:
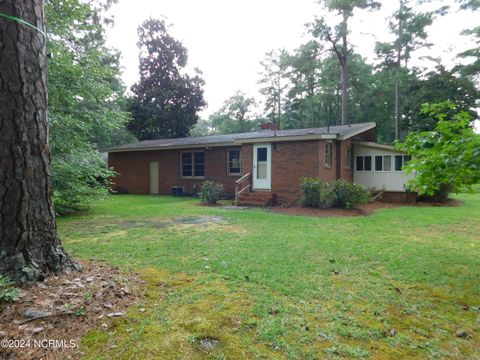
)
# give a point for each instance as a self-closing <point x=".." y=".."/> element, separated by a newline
<point x="347" y="195"/>
<point x="340" y="194"/>
<point x="211" y="192"/>
<point x="327" y="197"/>
<point x="310" y="192"/>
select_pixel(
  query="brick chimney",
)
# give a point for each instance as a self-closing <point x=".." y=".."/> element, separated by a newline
<point x="269" y="125"/>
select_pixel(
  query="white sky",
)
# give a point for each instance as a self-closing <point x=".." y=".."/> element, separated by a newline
<point x="226" y="39"/>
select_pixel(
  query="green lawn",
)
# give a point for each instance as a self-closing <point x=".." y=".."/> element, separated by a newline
<point x="395" y="285"/>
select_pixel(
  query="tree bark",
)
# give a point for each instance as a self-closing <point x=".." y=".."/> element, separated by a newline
<point x="29" y="246"/>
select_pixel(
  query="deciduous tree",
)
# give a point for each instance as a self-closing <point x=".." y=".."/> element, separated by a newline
<point x="166" y="101"/>
<point x="446" y="159"/>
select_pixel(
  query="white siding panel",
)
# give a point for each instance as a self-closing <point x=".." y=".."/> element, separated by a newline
<point x="379" y="180"/>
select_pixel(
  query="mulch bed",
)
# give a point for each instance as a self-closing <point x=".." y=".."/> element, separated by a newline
<point x="64" y="308"/>
<point x="361" y="210"/>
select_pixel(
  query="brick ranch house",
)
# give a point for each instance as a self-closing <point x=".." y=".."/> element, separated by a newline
<point x="262" y="166"/>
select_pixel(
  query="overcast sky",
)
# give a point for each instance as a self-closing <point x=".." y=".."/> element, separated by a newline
<point x="226" y="39"/>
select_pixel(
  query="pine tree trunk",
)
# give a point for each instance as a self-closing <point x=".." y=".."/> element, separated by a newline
<point x="344" y="94"/>
<point x="345" y="75"/>
<point x="397" y="109"/>
<point x="29" y="246"/>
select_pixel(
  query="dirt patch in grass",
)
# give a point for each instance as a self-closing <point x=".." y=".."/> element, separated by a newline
<point x="163" y="223"/>
<point x="362" y="210"/>
<point x="64" y="308"/>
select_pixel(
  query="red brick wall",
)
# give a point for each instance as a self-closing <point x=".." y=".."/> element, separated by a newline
<point x="133" y="170"/>
<point x="247" y="158"/>
<point x="293" y="160"/>
<point x="344" y="169"/>
<point x="290" y="162"/>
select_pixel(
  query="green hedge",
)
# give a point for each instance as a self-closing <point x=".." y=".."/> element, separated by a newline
<point x="339" y="194"/>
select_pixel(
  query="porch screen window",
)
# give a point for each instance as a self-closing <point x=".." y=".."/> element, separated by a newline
<point x="387" y="163"/>
<point x="328" y="154"/>
<point x="400" y="161"/>
<point x="234" y="162"/>
<point x="364" y="163"/>
<point x="383" y="163"/>
<point x="378" y="163"/>
<point x="193" y="164"/>
<point x="368" y="163"/>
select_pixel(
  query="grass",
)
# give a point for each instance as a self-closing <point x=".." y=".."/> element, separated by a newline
<point x="397" y="284"/>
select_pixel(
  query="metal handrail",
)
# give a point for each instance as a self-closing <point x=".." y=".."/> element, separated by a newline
<point x="237" y="186"/>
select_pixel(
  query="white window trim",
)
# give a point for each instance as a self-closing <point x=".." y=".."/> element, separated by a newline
<point x="193" y="164"/>
<point x="403" y="162"/>
<point x="348" y="164"/>
<point x="228" y="162"/>
<point x="374" y="169"/>
<point x="327" y="165"/>
<point x="372" y="163"/>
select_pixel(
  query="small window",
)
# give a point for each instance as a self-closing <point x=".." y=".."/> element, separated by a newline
<point x="234" y="162"/>
<point x="368" y="163"/>
<point x="262" y="154"/>
<point x="359" y="163"/>
<point x="378" y="163"/>
<point x="401" y="161"/>
<point x="193" y="164"/>
<point x="187" y="164"/>
<point x="398" y="162"/>
<point x="387" y="163"/>
<point x="348" y="158"/>
<point x="328" y="154"/>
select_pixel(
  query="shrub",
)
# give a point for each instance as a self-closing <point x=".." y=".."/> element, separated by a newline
<point x="8" y="293"/>
<point x="327" y="196"/>
<point x="310" y="192"/>
<point x="347" y="195"/>
<point x="340" y="194"/>
<point x="211" y="192"/>
<point x="78" y="181"/>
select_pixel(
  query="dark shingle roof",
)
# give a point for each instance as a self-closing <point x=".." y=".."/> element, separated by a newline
<point x="340" y="131"/>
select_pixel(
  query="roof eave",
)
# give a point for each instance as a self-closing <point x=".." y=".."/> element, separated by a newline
<point x="378" y="146"/>
<point x="367" y="127"/>
<point x="173" y="147"/>
<point x="286" y="138"/>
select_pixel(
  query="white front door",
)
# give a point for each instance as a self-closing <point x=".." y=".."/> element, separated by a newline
<point x="153" y="177"/>
<point x="262" y="167"/>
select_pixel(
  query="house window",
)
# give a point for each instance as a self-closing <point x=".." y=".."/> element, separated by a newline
<point x="348" y="158"/>
<point x="364" y="163"/>
<point x="193" y="164"/>
<point x="387" y="163"/>
<point x="400" y="161"/>
<point x="383" y="163"/>
<point x="359" y="163"/>
<point x="378" y="163"/>
<point x="368" y="163"/>
<point x="328" y="154"/>
<point x="234" y="167"/>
